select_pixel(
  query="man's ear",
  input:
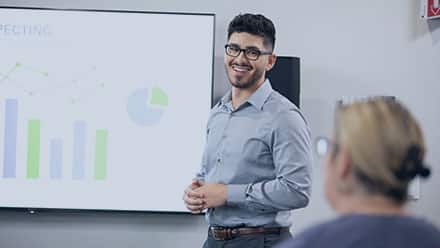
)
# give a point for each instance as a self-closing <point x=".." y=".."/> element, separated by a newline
<point x="271" y="62"/>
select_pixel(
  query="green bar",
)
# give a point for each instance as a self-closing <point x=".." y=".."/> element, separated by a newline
<point x="33" y="155"/>
<point x="101" y="155"/>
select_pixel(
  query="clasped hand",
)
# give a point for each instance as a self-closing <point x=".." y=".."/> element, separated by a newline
<point x="199" y="196"/>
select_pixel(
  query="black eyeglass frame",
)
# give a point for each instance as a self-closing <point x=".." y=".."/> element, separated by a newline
<point x="245" y="52"/>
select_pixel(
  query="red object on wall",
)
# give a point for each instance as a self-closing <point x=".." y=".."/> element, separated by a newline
<point x="433" y="8"/>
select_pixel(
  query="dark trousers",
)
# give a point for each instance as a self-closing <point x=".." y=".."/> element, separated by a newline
<point x="260" y="240"/>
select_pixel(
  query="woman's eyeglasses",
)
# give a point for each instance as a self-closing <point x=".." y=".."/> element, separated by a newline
<point x="323" y="145"/>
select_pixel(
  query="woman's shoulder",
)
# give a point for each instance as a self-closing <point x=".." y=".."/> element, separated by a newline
<point x="316" y="235"/>
<point x="357" y="230"/>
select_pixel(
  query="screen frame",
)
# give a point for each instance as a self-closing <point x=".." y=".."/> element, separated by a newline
<point x="32" y="210"/>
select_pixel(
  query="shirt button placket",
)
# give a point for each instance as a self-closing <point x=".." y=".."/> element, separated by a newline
<point x="223" y="139"/>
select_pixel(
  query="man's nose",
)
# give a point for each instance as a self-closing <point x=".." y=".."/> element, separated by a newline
<point x="241" y="56"/>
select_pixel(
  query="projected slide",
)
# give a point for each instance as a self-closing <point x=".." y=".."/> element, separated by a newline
<point x="102" y="110"/>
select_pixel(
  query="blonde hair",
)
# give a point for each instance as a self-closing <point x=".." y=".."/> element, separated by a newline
<point x="378" y="133"/>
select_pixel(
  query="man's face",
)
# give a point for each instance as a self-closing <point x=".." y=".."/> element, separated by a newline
<point x="242" y="72"/>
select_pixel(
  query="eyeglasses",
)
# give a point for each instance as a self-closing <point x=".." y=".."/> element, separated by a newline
<point x="250" y="53"/>
<point x="323" y="145"/>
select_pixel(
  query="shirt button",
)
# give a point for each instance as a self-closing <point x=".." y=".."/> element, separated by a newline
<point x="219" y="160"/>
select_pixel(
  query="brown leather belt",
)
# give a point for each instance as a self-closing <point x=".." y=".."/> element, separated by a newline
<point x="227" y="233"/>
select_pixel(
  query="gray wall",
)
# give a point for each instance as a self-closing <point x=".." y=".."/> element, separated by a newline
<point x="348" y="48"/>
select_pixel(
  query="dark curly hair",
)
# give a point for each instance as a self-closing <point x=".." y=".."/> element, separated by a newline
<point x="255" y="24"/>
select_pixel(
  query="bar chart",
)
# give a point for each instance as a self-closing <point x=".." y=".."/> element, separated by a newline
<point x="34" y="144"/>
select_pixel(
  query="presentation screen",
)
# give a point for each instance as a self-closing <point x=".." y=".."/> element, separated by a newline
<point x="102" y="110"/>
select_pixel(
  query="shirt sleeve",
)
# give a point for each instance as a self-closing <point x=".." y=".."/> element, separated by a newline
<point x="200" y="175"/>
<point x="292" y="155"/>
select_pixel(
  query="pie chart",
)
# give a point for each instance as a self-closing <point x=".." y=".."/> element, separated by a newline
<point x="145" y="106"/>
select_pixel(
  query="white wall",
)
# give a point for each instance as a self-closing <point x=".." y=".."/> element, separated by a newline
<point x="346" y="48"/>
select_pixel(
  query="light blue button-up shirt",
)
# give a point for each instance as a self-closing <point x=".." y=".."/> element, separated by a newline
<point x="262" y="151"/>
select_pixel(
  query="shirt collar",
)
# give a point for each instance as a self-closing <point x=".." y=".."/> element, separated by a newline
<point x="226" y="98"/>
<point x="257" y="99"/>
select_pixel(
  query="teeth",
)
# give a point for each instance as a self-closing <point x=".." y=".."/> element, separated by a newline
<point x="241" y="68"/>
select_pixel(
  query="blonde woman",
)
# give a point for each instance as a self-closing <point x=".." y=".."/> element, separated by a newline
<point x="376" y="150"/>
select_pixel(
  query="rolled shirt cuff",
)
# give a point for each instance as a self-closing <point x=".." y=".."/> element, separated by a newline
<point x="236" y="194"/>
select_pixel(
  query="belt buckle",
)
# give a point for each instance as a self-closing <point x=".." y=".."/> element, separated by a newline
<point x="222" y="233"/>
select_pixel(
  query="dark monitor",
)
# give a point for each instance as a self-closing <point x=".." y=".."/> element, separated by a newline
<point x="285" y="78"/>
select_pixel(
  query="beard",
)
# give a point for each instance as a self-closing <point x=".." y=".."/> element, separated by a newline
<point x="244" y="82"/>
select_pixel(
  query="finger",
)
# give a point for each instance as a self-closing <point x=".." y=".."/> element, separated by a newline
<point x="198" y="183"/>
<point x="194" y="194"/>
<point x="193" y="201"/>
<point x="197" y="212"/>
<point x="194" y="208"/>
<point x="206" y="205"/>
<point x="185" y="192"/>
<point x="189" y="189"/>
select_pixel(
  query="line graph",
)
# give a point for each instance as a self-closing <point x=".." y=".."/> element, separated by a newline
<point x="32" y="81"/>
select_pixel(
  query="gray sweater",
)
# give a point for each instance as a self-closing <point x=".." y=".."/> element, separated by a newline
<point x="372" y="231"/>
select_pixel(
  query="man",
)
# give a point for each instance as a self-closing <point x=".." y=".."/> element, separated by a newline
<point x="257" y="158"/>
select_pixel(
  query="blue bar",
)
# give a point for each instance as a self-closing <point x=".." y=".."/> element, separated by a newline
<point x="10" y="141"/>
<point x="56" y="158"/>
<point x="79" y="150"/>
